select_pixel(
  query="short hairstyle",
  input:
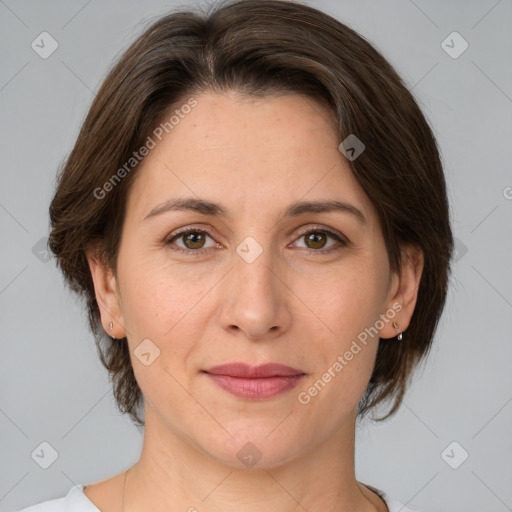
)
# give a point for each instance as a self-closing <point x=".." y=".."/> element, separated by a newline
<point x="258" y="49"/>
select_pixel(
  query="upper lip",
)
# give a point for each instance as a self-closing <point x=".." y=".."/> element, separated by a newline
<point x="247" y="371"/>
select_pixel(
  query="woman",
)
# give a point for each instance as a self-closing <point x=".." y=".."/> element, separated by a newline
<point x="256" y="215"/>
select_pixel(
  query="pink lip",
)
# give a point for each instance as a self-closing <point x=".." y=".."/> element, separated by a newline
<point x="255" y="382"/>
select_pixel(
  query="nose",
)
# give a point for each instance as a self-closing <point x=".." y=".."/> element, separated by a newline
<point x="255" y="301"/>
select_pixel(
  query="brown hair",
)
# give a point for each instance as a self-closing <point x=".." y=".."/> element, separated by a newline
<point x="260" y="48"/>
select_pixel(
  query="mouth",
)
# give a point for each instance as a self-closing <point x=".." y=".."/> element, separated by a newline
<point x="255" y="382"/>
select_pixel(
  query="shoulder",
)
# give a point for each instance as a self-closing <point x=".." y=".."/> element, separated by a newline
<point x="74" y="501"/>
<point x="392" y="504"/>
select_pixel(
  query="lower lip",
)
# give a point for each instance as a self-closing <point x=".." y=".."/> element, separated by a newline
<point x="256" y="389"/>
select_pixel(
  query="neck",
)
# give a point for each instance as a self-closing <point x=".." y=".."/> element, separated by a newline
<point x="173" y="473"/>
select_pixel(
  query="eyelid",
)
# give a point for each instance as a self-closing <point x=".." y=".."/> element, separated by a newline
<point x="320" y="227"/>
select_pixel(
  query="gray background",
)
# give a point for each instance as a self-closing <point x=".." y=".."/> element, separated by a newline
<point x="53" y="387"/>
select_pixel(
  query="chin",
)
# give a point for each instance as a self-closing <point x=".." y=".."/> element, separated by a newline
<point x="253" y="446"/>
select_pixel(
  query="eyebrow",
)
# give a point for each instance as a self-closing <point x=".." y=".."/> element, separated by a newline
<point x="205" y="207"/>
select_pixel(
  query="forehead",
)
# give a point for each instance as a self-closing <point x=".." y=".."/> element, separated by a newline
<point x="248" y="151"/>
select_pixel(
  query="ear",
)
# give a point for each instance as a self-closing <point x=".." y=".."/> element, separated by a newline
<point x="403" y="292"/>
<point x="107" y="294"/>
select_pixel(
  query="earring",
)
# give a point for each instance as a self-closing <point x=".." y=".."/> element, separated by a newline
<point x="400" y="336"/>
<point x="111" y="326"/>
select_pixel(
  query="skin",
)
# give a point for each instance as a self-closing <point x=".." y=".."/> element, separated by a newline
<point x="254" y="157"/>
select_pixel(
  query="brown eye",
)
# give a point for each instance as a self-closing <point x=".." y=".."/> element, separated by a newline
<point x="191" y="241"/>
<point x="315" y="239"/>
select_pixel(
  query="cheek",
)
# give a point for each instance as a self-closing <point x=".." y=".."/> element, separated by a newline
<point x="165" y="303"/>
<point x="345" y="306"/>
<point x="347" y="299"/>
<point x="159" y="296"/>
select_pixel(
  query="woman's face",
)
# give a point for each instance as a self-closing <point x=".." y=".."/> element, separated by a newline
<point x="249" y="285"/>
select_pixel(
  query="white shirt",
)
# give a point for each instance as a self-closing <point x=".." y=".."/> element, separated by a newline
<point x="77" y="501"/>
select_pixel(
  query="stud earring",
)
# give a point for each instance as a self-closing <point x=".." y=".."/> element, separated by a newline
<point x="395" y="325"/>
<point x="110" y="325"/>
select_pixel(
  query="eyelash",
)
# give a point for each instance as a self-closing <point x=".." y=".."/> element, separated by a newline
<point x="316" y="252"/>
